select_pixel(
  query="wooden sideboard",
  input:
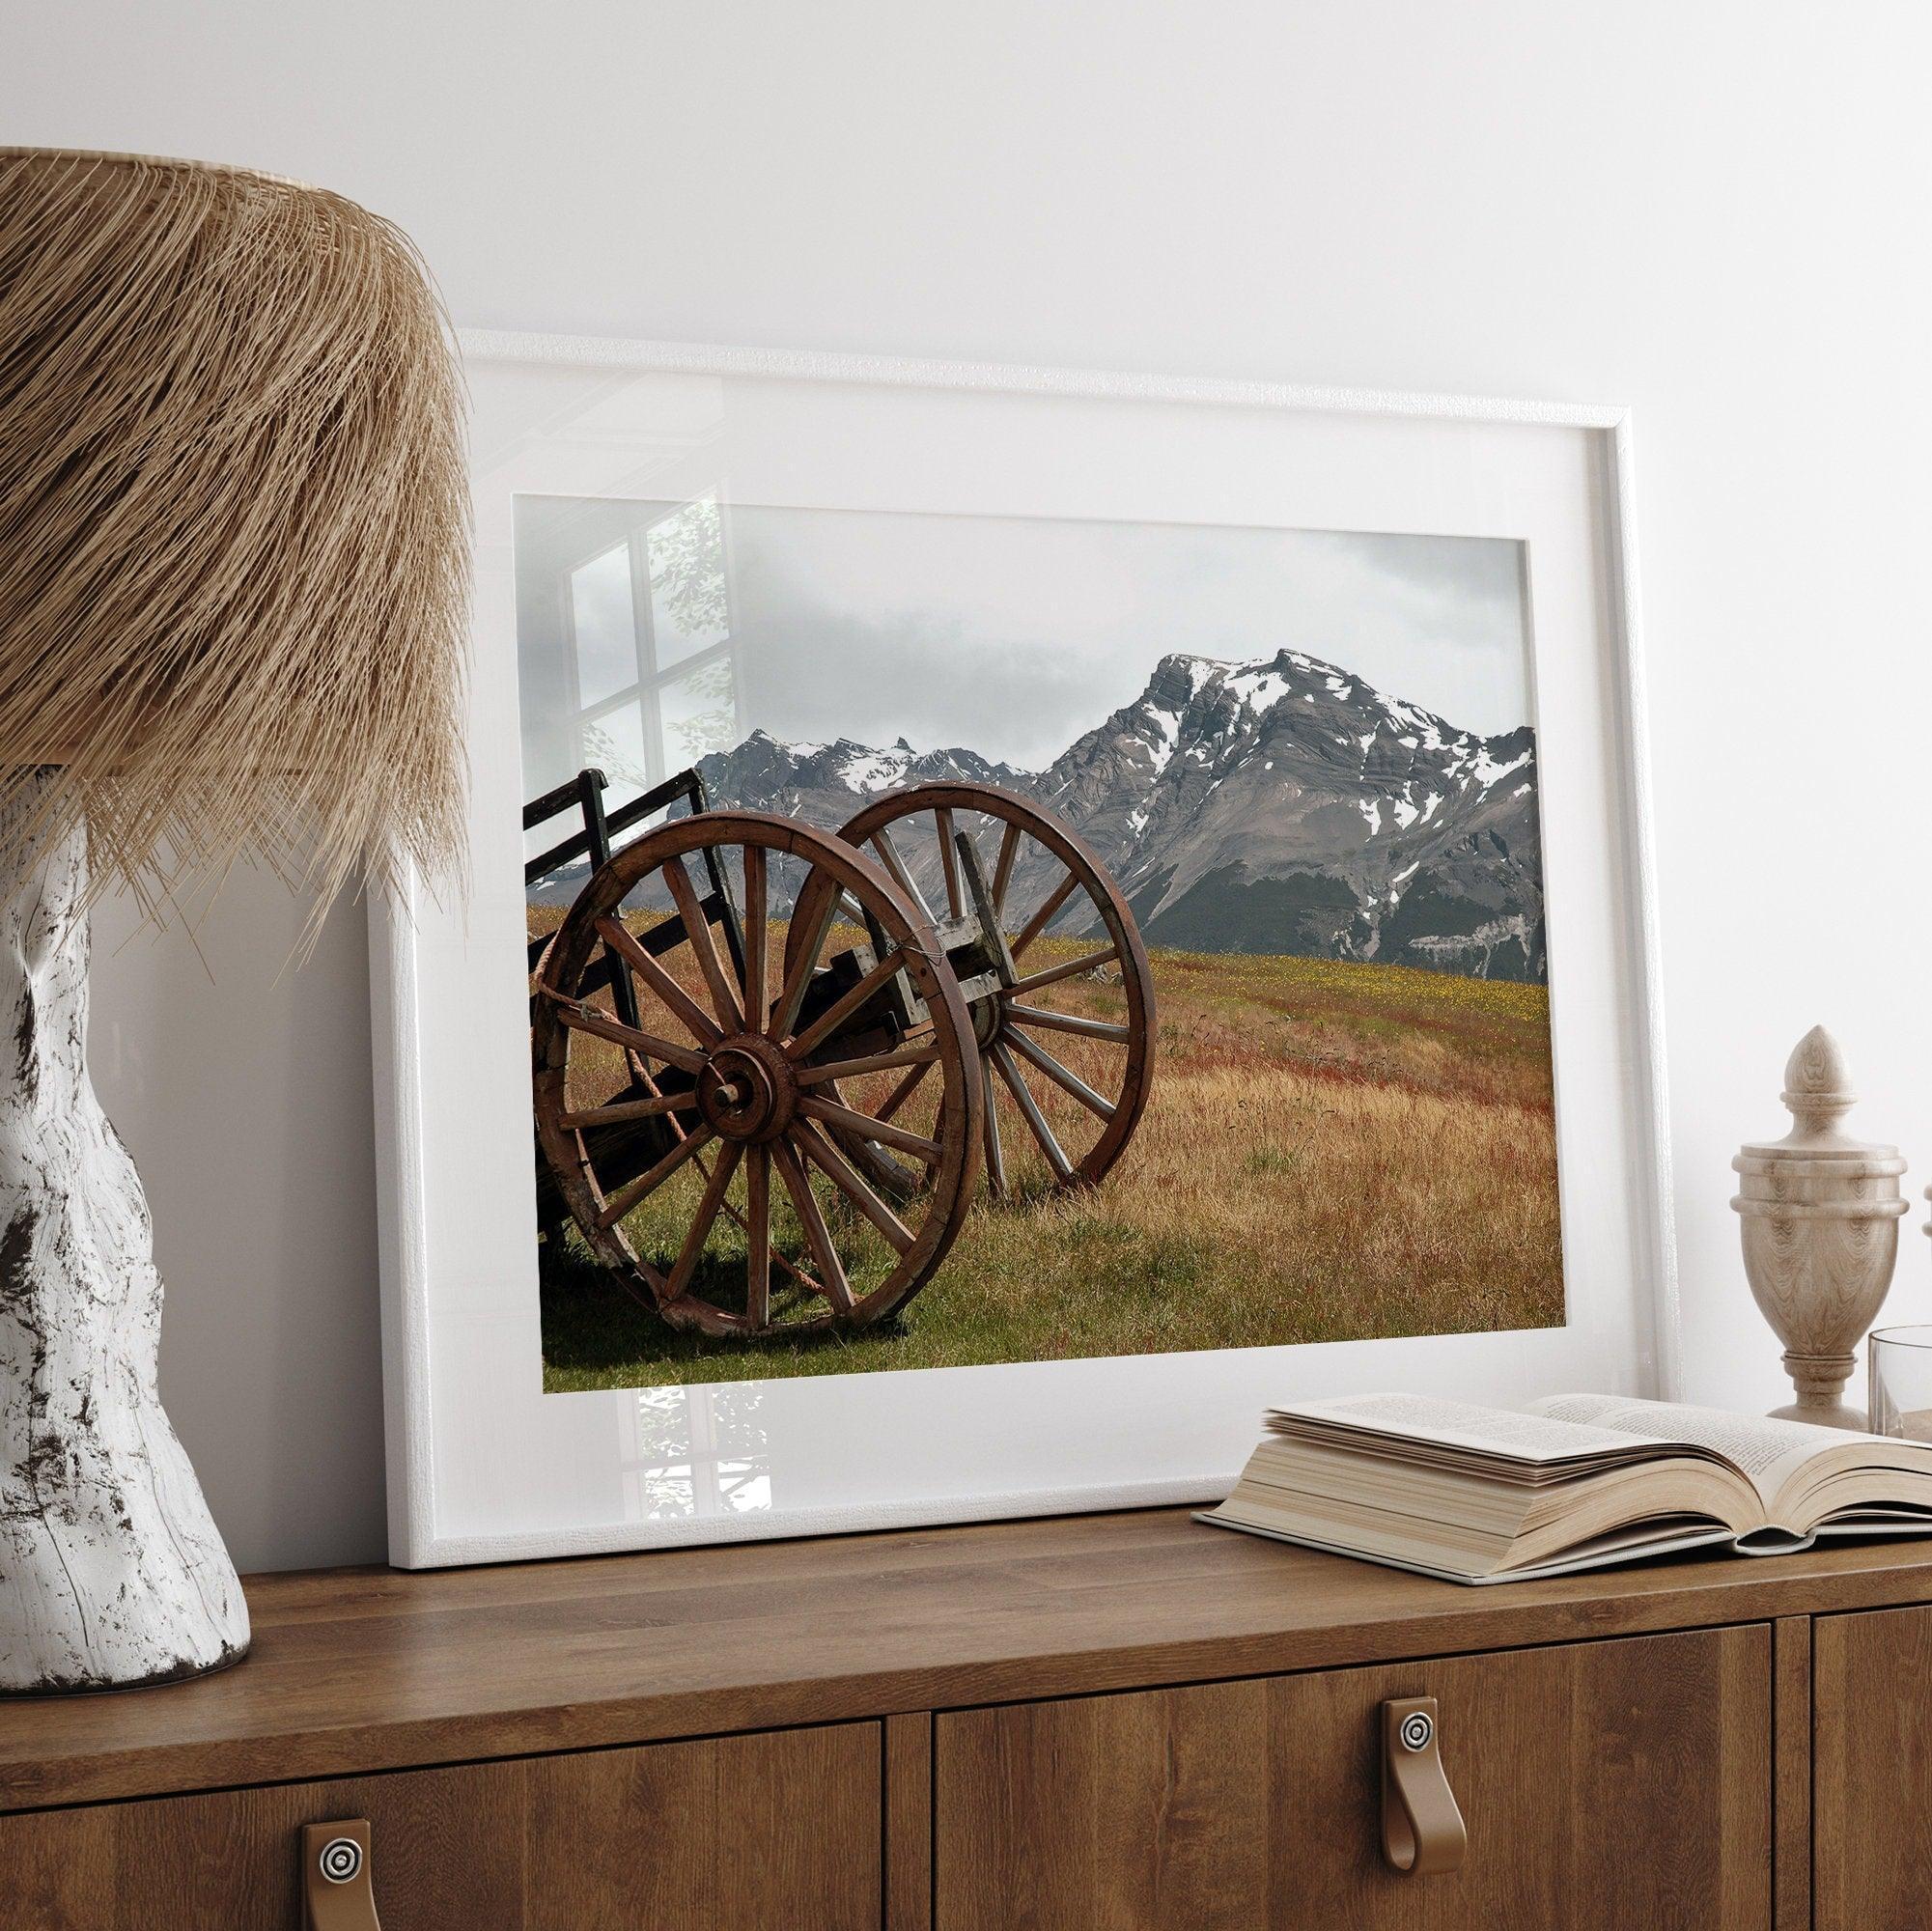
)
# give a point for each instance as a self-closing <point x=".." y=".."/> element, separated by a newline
<point x="1116" y="1721"/>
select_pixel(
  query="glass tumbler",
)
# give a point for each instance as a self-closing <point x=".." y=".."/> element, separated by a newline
<point x="1901" y="1382"/>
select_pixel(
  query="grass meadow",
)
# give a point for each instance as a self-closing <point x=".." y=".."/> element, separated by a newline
<point x="1331" y="1152"/>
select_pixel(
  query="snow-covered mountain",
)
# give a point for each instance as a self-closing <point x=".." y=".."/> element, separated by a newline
<point x="1279" y="805"/>
<point x="1284" y="805"/>
<point x="824" y="784"/>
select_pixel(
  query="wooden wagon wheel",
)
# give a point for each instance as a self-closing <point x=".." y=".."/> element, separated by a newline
<point x="1053" y="969"/>
<point x="698" y="1157"/>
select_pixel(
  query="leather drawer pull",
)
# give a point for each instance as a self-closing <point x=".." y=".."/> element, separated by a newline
<point x="336" y="1892"/>
<point x="1422" y="1829"/>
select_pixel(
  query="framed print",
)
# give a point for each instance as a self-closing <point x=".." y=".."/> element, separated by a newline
<point x="1017" y="918"/>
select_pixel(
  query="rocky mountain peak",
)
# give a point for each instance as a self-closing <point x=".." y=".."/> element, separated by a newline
<point x="1279" y="804"/>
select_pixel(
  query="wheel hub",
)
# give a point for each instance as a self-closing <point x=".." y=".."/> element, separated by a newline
<point x="746" y="1091"/>
<point x="989" y="1020"/>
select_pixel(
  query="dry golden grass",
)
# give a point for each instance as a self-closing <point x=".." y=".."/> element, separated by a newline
<point x="1331" y="1152"/>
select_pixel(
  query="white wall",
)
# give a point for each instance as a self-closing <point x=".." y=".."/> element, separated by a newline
<point x="1715" y="210"/>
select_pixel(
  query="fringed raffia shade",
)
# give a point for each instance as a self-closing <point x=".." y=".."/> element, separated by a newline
<point x="234" y="558"/>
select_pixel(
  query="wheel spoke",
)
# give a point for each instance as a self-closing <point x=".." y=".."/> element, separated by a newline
<point x="995" y="1163"/>
<point x="1070" y="969"/>
<point x="619" y="1110"/>
<point x="868" y="1128"/>
<point x="1030" y="1108"/>
<point x="756" y="930"/>
<point x="882" y="843"/>
<point x="1044" y="917"/>
<point x="1002" y="868"/>
<point x="832" y="1283"/>
<point x="950" y="857"/>
<point x="581" y="1018"/>
<point x="804" y="965"/>
<point x="1062" y="1077"/>
<point x="905" y="1089"/>
<point x="620" y="1203"/>
<point x="838" y="1170"/>
<point x="704" y="947"/>
<point x="743" y="1226"/>
<point x="844" y="1007"/>
<point x="696" y="1020"/>
<point x="701" y="1221"/>
<point x="758" y="1237"/>
<point x="857" y="1069"/>
<point x="1040" y="1015"/>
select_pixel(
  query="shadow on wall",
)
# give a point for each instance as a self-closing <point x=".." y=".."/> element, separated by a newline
<point x="242" y="1085"/>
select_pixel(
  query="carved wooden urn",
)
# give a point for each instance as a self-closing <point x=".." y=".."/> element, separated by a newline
<point x="1820" y="1214"/>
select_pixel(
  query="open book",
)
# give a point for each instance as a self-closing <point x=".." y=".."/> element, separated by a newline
<point x="1494" y="1495"/>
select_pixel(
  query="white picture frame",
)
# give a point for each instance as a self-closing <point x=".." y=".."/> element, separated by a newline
<point x="484" y="1465"/>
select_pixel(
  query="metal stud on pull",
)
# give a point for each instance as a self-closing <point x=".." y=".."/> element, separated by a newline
<point x="336" y="1892"/>
<point x="341" y="1860"/>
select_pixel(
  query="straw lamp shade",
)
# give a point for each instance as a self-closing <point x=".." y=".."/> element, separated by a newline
<point x="232" y="586"/>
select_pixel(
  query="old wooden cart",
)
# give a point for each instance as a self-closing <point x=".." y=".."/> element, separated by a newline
<point x="732" y="998"/>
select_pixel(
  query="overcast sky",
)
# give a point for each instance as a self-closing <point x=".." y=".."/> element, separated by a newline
<point x="1014" y="636"/>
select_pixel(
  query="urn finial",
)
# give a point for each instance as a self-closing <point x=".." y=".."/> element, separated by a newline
<point x="1817" y="1089"/>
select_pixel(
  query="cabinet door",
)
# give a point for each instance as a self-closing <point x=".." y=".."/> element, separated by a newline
<point x="1605" y="1785"/>
<point x="1871" y="1769"/>
<point x="754" y="1834"/>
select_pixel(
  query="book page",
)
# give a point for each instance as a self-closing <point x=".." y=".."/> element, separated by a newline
<point x="1507" y="1432"/>
<point x="1765" y="1451"/>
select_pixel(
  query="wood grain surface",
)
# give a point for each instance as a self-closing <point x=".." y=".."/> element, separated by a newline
<point x="742" y="1833"/>
<point x="908" y="1822"/>
<point x="1791" y="1754"/>
<point x="1613" y="1787"/>
<point x="355" y="1671"/>
<point x="1871" y="1771"/>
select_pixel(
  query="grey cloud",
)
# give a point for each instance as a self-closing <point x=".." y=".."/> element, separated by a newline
<point x="1013" y="637"/>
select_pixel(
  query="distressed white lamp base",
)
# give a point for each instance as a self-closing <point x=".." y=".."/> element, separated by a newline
<point x="111" y="1569"/>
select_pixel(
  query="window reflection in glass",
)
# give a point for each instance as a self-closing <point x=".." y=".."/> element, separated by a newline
<point x="624" y="648"/>
<point x="698" y="714"/>
<point x="700" y="1452"/>
<point x="604" y="626"/>
<point x="615" y="744"/>
<point x="689" y="609"/>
